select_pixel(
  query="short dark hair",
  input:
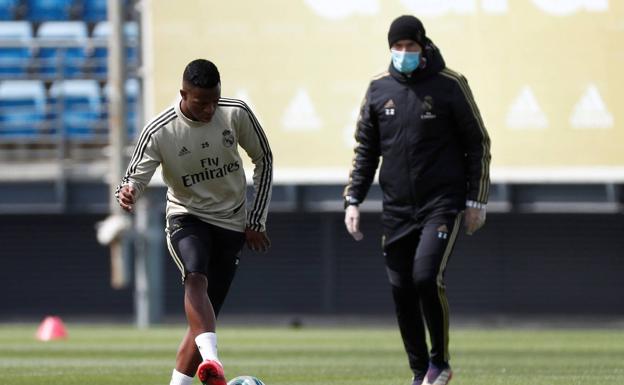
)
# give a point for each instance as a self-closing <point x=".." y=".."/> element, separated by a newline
<point x="202" y="73"/>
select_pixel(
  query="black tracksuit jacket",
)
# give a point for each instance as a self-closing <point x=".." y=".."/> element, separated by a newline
<point x="434" y="147"/>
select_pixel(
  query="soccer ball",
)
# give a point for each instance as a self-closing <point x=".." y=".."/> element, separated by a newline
<point x="245" y="380"/>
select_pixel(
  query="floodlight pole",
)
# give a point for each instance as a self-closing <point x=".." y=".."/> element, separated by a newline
<point x="120" y="273"/>
<point x="147" y="235"/>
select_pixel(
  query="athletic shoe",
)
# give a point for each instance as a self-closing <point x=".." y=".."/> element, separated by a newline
<point x="210" y="372"/>
<point x="438" y="376"/>
<point x="417" y="380"/>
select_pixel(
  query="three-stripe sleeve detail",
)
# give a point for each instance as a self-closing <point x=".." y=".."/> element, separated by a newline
<point x="355" y="151"/>
<point x="144" y="139"/>
<point x="262" y="195"/>
<point x="440" y="282"/>
<point x="175" y="257"/>
<point x="484" y="184"/>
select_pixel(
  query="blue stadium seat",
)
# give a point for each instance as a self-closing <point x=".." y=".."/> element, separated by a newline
<point x="76" y="107"/>
<point x="22" y="108"/>
<point x="101" y="31"/>
<point x="7" y="9"/>
<point x="132" y="90"/>
<point x="48" y="10"/>
<point x="62" y="52"/>
<point x="94" y="10"/>
<point x="15" y="52"/>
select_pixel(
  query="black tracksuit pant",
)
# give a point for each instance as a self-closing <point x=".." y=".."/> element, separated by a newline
<point x="415" y="264"/>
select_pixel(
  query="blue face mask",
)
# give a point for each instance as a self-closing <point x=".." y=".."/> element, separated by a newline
<point x="405" y="62"/>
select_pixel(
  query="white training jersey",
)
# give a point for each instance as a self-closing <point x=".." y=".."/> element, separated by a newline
<point x="201" y="165"/>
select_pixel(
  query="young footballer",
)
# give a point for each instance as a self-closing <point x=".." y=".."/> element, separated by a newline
<point x="196" y="143"/>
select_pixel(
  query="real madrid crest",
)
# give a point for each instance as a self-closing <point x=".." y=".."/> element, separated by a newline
<point x="427" y="107"/>
<point x="427" y="103"/>
<point x="228" y="138"/>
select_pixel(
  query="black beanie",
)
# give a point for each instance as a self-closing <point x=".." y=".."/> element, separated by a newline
<point x="406" y="27"/>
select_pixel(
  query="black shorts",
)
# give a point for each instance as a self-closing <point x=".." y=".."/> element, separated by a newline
<point x="200" y="247"/>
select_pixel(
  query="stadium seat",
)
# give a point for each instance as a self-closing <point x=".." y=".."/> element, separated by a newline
<point x="76" y="107"/>
<point x="101" y="31"/>
<point x="48" y="10"/>
<point x="22" y="108"/>
<point x="15" y="52"/>
<point x="7" y="9"/>
<point x="132" y="110"/>
<point x="132" y="90"/>
<point x="94" y="10"/>
<point x="62" y="52"/>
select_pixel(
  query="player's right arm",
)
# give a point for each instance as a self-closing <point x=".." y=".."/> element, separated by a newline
<point x="365" y="161"/>
<point x="144" y="162"/>
<point x="137" y="176"/>
<point x="366" y="152"/>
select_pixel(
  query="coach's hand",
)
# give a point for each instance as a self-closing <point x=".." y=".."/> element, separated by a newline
<point x="126" y="198"/>
<point x="474" y="219"/>
<point x="257" y="240"/>
<point x="352" y="221"/>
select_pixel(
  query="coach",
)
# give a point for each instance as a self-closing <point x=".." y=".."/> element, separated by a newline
<point x="421" y="119"/>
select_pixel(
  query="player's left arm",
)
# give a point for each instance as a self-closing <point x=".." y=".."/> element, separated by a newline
<point x="476" y="142"/>
<point x="254" y="141"/>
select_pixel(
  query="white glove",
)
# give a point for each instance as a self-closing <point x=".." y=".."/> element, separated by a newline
<point x="352" y="221"/>
<point x="474" y="219"/>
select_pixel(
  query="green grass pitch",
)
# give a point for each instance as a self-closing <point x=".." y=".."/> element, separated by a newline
<point x="123" y="355"/>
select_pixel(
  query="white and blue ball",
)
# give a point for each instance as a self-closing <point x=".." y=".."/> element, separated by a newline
<point x="245" y="380"/>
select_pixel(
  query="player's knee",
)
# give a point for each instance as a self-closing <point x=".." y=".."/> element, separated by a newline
<point x="398" y="279"/>
<point x="195" y="281"/>
<point x="424" y="278"/>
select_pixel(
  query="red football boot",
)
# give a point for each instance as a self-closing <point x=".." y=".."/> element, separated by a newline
<point x="210" y="372"/>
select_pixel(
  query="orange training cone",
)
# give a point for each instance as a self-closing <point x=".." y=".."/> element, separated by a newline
<point x="51" y="328"/>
